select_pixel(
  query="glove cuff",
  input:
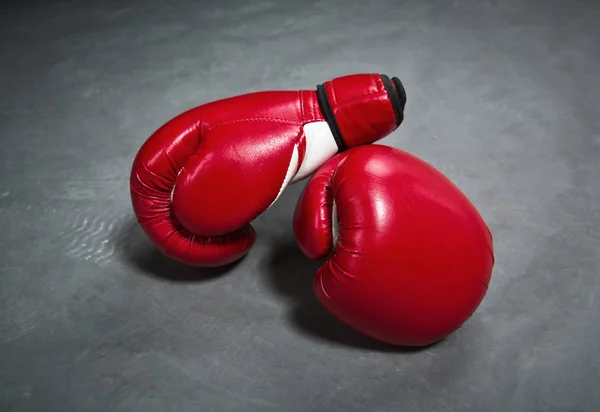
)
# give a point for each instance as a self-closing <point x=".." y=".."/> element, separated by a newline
<point x="361" y="108"/>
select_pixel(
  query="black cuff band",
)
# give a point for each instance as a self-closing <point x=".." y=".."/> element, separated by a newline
<point x="330" y="118"/>
<point x="397" y="96"/>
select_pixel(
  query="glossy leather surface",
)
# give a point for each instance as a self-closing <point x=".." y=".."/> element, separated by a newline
<point x="413" y="258"/>
<point x="201" y="178"/>
<point x="362" y="108"/>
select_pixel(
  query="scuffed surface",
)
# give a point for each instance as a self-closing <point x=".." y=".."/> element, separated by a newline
<point x="502" y="97"/>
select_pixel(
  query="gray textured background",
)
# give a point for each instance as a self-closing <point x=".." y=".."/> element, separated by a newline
<point x="503" y="98"/>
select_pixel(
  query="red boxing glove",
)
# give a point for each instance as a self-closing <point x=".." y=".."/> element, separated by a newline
<point x="201" y="178"/>
<point x="409" y="257"/>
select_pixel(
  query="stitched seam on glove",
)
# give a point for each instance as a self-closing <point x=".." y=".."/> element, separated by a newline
<point x="335" y="100"/>
<point x="256" y="119"/>
<point x="358" y="95"/>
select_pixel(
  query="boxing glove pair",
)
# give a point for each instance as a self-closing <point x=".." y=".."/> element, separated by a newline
<point x="408" y="258"/>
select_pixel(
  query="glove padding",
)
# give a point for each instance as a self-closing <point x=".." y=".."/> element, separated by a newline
<point x="408" y="257"/>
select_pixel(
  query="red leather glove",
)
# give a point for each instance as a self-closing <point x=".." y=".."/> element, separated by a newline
<point x="408" y="256"/>
<point x="201" y="178"/>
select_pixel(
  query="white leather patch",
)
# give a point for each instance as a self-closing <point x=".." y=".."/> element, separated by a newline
<point x="320" y="147"/>
<point x="292" y="167"/>
<point x="173" y="188"/>
<point x="335" y="227"/>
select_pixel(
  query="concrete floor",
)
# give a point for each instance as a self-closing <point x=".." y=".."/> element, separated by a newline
<point x="503" y="98"/>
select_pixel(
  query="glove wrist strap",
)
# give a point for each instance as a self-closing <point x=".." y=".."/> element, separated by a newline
<point x="330" y="118"/>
